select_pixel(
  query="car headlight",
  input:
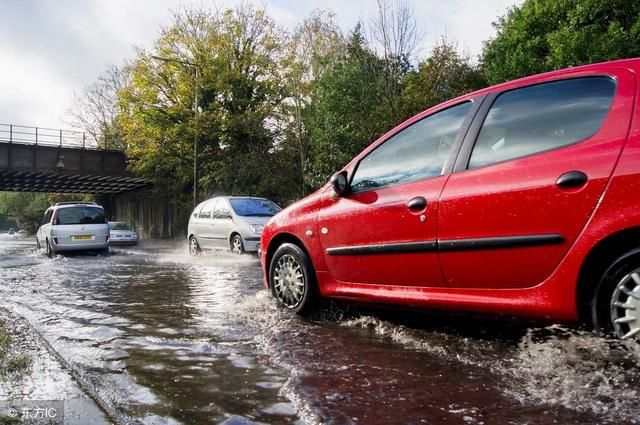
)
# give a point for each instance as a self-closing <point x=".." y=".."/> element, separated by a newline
<point x="256" y="228"/>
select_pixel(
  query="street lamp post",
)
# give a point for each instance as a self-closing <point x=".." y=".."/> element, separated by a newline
<point x="195" y="137"/>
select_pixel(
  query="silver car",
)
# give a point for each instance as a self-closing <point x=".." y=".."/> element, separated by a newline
<point x="120" y="233"/>
<point x="231" y="222"/>
<point x="73" y="226"/>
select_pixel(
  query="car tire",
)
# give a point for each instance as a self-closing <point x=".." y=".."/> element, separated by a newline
<point x="292" y="278"/>
<point x="615" y="306"/>
<point x="38" y="246"/>
<point x="194" y="246"/>
<point x="49" y="249"/>
<point x="236" y="246"/>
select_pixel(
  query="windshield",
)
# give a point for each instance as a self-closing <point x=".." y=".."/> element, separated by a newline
<point x="80" y="215"/>
<point x="254" y="207"/>
<point x="119" y="226"/>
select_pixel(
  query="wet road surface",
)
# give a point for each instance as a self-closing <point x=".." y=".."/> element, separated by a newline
<point x="164" y="338"/>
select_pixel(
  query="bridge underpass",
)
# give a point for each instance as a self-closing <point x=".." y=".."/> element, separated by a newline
<point x="34" y="159"/>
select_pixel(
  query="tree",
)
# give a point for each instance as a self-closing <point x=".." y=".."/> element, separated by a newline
<point x="442" y="76"/>
<point x="396" y="36"/>
<point x="251" y="49"/>
<point x="95" y="110"/>
<point x="347" y="110"/>
<point x="313" y="47"/>
<point x="157" y="116"/>
<point x="239" y="52"/>
<point x="27" y="208"/>
<point x="542" y="35"/>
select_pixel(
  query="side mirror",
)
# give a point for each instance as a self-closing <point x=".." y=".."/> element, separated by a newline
<point x="340" y="183"/>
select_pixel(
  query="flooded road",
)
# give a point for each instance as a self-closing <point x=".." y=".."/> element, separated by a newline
<point x="163" y="338"/>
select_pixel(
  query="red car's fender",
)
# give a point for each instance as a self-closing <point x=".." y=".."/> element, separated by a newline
<point x="296" y="223"/>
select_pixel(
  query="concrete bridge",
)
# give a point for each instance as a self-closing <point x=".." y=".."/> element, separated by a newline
<point x="36" y="159"/>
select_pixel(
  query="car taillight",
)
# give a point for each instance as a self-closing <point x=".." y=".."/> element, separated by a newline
<point x="55" y="241"/>
<point x="54" y="220"/>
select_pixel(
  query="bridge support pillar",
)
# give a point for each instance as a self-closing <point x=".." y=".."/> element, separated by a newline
<point x="153" y="214"/>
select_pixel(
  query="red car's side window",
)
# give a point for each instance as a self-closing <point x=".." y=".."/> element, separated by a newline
<point x="417" y="152"/>
<point x="545" y="116"/>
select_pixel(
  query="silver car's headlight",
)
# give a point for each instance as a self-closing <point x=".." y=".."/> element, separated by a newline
<point x="256" y="228"/>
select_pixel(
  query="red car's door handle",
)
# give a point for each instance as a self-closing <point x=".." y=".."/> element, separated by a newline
<point x="418" y="203"/>
<point x="572" y="180"/>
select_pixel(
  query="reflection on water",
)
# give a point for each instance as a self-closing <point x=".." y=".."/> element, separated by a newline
<point x="162" y="337"/>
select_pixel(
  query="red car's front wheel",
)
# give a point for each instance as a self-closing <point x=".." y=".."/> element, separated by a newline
<point x="292" y="278"/>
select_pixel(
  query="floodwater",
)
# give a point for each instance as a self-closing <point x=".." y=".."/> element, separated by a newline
<point x="158" y="337"/>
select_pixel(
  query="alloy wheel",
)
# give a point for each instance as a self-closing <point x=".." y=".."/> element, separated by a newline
<point x="289" y="282"/>
<point x="625" y="306"/>
<point x="194" y="248"/>
<point x="236" y="245"/>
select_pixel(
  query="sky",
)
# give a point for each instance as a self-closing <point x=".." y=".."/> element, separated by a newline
<point x="50" y="49"/>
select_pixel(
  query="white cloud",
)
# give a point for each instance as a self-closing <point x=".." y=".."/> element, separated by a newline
<point x="50" y="49"/>
<point x="467" y="22"/>
<point x="31" y="95"/>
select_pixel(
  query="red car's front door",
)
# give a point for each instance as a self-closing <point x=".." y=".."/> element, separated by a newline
<point x="529" y="177"/>
<point x="384" y="232"/>
<point x="375" y="238"/>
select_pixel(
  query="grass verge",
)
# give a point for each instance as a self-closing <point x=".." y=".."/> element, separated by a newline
<point x="12" y="362"/>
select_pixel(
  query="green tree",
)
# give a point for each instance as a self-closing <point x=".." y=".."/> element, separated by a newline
<point x="444" y="75"/>
<point x="347" y="110"/>
<point x="27" y="208"/>
<point x="238" y="51"/>
<point x="250" y="48"/>
<point x="542" y="35"/>
<point x="157" y="115"/>
<point x="314" y="46"/>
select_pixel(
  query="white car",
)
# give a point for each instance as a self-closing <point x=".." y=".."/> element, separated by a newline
<point x="120" y="233"/>
<point x="73" y="226"/>
<point x="231" y="222"/>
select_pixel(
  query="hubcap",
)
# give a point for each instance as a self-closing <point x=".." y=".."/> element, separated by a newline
<point x="193" y="246"/>
<point x="236" y="245"/>
<point x="288" y="281"/>
<point x="625" y="306"/>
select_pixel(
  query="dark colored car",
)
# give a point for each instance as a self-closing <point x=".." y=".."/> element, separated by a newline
<point x="519" y="199"/>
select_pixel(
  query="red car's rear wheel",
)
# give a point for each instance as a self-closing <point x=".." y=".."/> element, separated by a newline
<point x="616" y="304"/>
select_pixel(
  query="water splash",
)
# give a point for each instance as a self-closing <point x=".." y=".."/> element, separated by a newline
<point x="556" y="366"/>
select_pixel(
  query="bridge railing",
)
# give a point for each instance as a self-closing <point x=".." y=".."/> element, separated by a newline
<point x="43" y="136"/>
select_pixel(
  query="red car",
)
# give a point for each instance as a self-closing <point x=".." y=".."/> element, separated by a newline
<point x="520" y="199"/>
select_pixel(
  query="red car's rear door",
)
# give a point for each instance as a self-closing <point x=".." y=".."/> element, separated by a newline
<point x="533" y="167"/>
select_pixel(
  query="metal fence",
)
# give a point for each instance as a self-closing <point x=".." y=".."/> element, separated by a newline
<point x="22" y="134"/>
